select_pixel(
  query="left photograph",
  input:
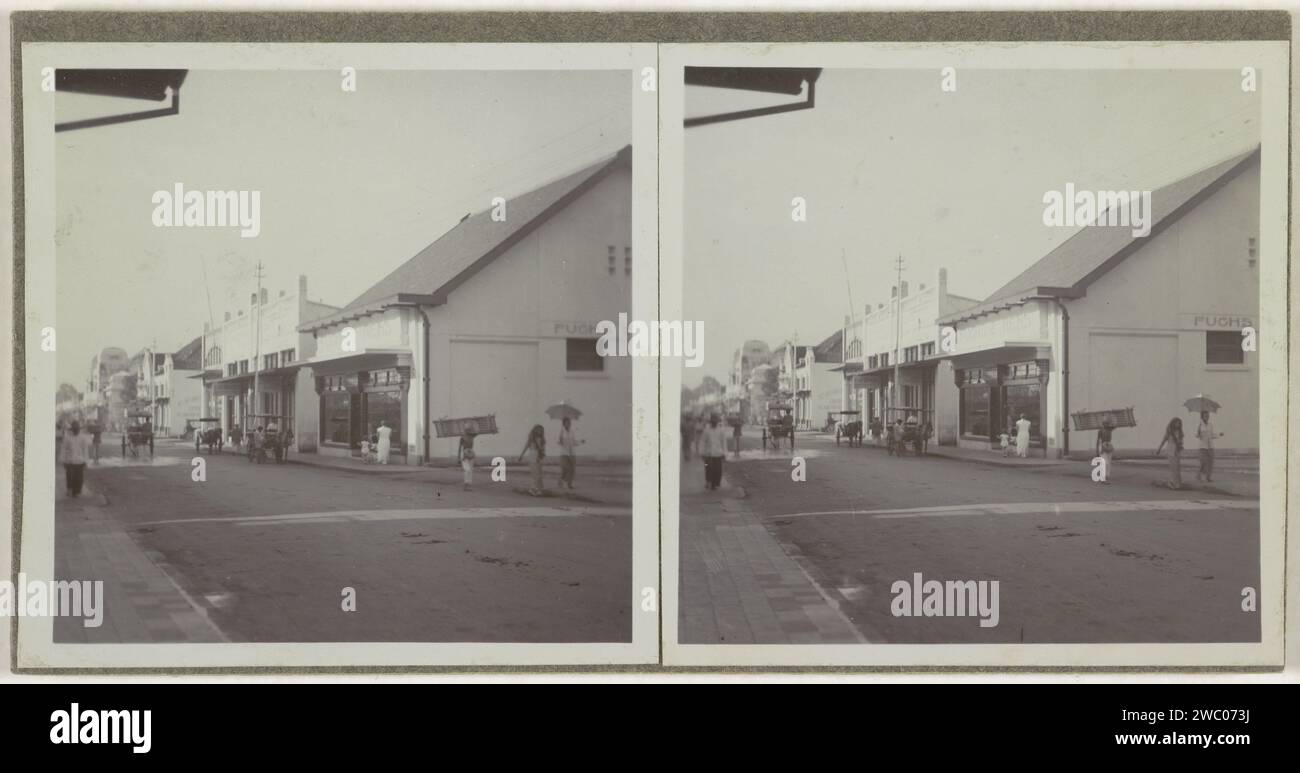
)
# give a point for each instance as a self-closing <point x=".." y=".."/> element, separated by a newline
<point x="327" y="364"/>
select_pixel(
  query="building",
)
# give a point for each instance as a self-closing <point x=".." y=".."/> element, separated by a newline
<point x="903" y="333"/>
<point x="1112" y="320"/>
<point x="177" y="394"/>
<point x="743" y="362"/>
<point x="496" y="317"/>
<point x="818" y="385"/>
<point x="251" y="365"/>
<point x="103" y="365"/>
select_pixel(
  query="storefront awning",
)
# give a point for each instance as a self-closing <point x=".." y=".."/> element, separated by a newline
<point x="241" y="382"/>
<point x="848" y="368"/>
<point x="1000" y="355"/>
<point x="887" y="370"/>
<point x="352" y="362"/>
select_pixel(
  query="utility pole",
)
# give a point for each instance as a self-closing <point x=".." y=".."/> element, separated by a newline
<point x="257" y="340"/>
<point x="898" y="326"/>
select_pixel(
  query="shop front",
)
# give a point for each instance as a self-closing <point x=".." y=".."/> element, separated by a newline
<point x="996" y="390"/>
<point x="357" y="395"/>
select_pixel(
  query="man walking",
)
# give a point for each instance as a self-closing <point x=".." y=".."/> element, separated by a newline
<point x="73" y="452"/>
<point x="713" y="447"/>
<point x="569" y="443"/>
<point x="1205" y="435"/>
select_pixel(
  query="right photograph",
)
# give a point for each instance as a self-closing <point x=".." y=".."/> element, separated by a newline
<point x="984" y="356"/>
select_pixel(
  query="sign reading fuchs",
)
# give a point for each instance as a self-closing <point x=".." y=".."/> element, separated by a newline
<point x="1217" y="321"/>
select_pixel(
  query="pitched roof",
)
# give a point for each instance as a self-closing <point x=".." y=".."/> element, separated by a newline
<point x="190" y="356"/>
<point x="1079" y="261"/>
<point x="830" y="350"/>
<point x="476" y="240"/>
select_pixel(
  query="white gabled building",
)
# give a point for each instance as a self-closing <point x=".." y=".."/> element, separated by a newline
<point x="494" y="317"/>
<point x="1111" y="320"/>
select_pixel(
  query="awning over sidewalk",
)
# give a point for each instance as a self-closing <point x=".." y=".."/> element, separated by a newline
<point x="242" y="382"/>
<point x="352" y="362"/>
<point x="999" y="355"/>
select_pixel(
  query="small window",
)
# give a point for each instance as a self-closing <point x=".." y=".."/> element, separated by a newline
<point x="611" y="260"/>
<point x="580" y="355"/>
<point x="1223" y="348"/>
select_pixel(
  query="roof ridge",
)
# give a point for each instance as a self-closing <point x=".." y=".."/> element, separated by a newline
<point x="561" y="187"/>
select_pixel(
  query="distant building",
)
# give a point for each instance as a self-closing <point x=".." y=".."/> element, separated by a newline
<point x="903" y="332"/>
<point x="818" y="385"/>
<point x="743" y="362"/>
<point x="106" y="363"/>
<point x="177" y="395"/>
<point x="260" y="348"/>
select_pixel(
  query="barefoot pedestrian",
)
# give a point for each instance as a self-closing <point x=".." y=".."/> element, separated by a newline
<point x="1174" y="439"/>
<point x="535" y="450"/>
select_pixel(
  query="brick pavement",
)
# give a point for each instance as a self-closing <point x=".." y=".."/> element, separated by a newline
<point x="141" y="603"/>
<point x="739" y="586"/>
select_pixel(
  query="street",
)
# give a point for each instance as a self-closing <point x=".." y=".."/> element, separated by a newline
<point x="264" y="553"/>
<point x="770" y="560"/>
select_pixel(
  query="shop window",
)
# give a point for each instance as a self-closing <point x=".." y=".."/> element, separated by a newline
<point x="975" y="411"/>
<point x="1024" y="399"/>
<point x="381" y="407"/>
<point x="1223" y="348"/>
<point x="580" y="355"/>
<point x="336" y="417"/>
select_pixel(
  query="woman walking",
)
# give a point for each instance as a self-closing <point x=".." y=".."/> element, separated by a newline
<point x="73" y="451"/>
<point x="535" y="449"/>
<point x="465" y="452"/>
<point x="385" y="434"/>
<point x="1173" y="437"/>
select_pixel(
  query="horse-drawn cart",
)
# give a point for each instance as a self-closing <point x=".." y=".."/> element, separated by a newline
<point x="207" y="432"/>
<point x="779" y="426"/>
<point x="848" y="426"/>
<point x="138" y="433"/>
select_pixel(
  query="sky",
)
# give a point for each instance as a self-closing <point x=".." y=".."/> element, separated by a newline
<point x="352" y="184"/>
<point x="889" y="164"/>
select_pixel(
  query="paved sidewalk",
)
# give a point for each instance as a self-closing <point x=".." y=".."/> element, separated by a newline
<point x="739" y="586"/>
<point x="141" y="603"/>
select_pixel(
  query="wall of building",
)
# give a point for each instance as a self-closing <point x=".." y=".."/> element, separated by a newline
<point x="499" y="342"/>
<point x="1138" y="337"/>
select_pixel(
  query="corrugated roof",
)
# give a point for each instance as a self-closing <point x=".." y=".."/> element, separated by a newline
<point x="190" y="356"/>
<point x="1094" y="250"/>
<point x="830" y="350"/>
<point x="478" y="239"/>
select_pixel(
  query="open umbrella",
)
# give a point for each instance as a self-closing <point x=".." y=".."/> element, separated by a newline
<point x="1201" y="403"/>
<point x="562" y="411"/>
